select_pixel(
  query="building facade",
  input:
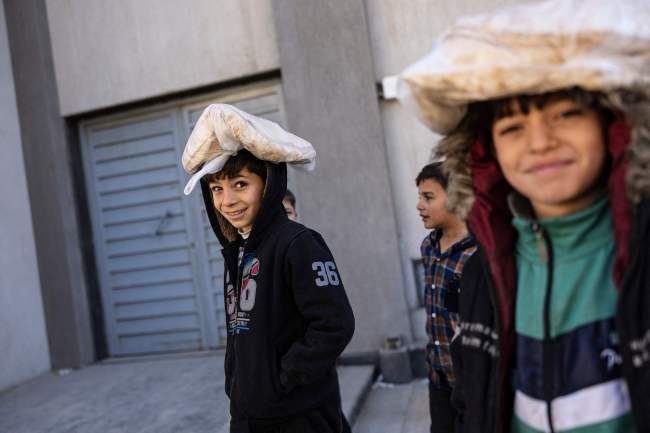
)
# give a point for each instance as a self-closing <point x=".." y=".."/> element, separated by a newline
<point x="109" y="257"/>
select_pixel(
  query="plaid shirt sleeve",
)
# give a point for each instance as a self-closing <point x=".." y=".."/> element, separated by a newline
<point x="442" y="276"/>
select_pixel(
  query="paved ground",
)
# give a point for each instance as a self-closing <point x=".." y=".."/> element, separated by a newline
<point x="177" y="394"/>
<point x="395" y="409"/>
<point x="170" y="395"/>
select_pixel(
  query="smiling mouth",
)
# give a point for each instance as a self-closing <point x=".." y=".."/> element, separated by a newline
<point x="235" y="214"/>
<point x="548" y="167"/>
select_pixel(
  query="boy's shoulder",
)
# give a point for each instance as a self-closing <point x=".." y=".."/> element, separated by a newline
<point x="295" y="242"/>
<point x="305" y="234"/>
<point x="288" y="231"/>
<point x="428" y="240"/>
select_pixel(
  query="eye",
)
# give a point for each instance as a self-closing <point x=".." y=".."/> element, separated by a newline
<point x="241" y="184"/>
<point x="566" y="114"/>
<point x="564" y="109"/>
<point x="510" y="129"/>
<point x="216" y="188"/>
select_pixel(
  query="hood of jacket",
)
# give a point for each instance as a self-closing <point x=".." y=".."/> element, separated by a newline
<point x="270" y="210"/>
<point x="478" y="191"/>
<point x="466" y="158"/>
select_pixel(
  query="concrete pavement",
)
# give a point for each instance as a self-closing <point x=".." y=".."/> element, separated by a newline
<point x="395" y="409"/>
<point x="166" y="395"/>
<point x="171" y="394"/>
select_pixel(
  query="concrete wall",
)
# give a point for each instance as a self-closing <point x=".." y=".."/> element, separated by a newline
<point x="53" y="195"/>
<point x="23" y="341"/>
<point x="402" y="32"/>
<point x="108" y="53"/>
<point x="399" y="36"/>
<point x="331" y="99"/>
<point x="408" y="145"/>
<point x="362" y="196"/>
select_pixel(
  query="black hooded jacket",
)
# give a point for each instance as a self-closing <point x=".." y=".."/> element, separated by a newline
<point x="288" y="316"/>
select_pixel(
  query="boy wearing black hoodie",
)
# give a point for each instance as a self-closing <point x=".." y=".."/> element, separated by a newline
<point x="288" y="316"/>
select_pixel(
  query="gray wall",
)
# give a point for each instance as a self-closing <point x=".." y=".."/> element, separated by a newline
<point x="111" y="52"/>
<point x="401" y="33"/>
<point x="331" y="99"/>
<point x="23" y="342"/>
<point x="52" y="194"/>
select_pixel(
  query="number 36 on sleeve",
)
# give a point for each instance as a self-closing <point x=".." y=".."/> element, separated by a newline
<point x="326" y="274"/>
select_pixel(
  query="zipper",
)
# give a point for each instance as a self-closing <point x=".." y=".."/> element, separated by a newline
<point x="545" y="249"/>
<point x="233" y="346"/>
<point x="240" y="270"/>
<point x="233" y="372"/>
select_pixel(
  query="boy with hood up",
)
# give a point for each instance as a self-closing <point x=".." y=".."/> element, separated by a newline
<point x="288" y="316"/>
<point x="544" y="110"/>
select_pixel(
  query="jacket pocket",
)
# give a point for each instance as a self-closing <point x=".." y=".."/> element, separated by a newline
<point x="276" y="372"/>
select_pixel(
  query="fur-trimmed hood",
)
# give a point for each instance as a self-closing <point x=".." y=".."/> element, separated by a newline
<point x="600" y="47"/>
<point x="478" y="191"/>
<point x="460" y="150"/>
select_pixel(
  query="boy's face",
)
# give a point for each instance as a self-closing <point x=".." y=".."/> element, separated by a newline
<point x="290" y="210"/>
<point x="238" y="198"/>
<point x="431" y="204"/>
<point x="553" y="155"/>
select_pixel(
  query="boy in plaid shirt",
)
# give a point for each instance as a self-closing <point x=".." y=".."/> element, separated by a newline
<point x="444" y="253"/>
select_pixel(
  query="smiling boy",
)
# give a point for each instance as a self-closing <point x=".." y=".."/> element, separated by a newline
<point x="288" y="317"/>
<point x="551" y="149"/>
<point x="545" y="130"/>
<point x="237" y="196"/>
<point x="444" y="254"/>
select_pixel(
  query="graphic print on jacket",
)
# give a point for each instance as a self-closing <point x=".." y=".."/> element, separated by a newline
<point x="288" y="317"/>
<point x="240" y="302"/>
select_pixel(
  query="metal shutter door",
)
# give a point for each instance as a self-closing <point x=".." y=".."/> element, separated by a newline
<point x="141" y="235"/>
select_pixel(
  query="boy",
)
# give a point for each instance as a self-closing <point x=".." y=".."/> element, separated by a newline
<point x="289" y="204"/>
<point x="288" y="316"/>
<point x="444" y="253"/>
<point x="554" y="182"/>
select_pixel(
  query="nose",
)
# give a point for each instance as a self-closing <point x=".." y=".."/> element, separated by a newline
<point x="540" y="134"/>
<point x="419" y="207"/>
<point x="228" y="197"/>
